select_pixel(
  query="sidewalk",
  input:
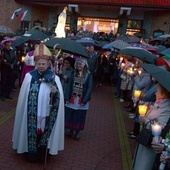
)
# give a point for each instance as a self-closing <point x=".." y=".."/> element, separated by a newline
<point x="103" y="144"/>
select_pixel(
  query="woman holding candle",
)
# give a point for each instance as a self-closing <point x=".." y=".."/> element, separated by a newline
<point x="126" y="79"/>
<point x="160" y="112"/>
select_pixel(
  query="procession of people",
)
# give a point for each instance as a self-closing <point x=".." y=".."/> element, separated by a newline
<point x="55" y="94"/>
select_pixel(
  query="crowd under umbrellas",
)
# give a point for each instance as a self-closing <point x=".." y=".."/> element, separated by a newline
<point x="123" y="47"/>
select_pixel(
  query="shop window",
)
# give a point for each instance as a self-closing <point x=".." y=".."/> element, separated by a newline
<point x="134" y="24"/>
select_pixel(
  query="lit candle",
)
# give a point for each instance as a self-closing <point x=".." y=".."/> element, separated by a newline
<point x="122" y="65"/>
<point x="156" y="131"/>
<point x="142" y="110"/>
<point x="22" y="58"/>
<point x="139" y="72"/>
<point x="130" y="71"/>
<point x="137" y="93"/>
<point x="121" y="58"/>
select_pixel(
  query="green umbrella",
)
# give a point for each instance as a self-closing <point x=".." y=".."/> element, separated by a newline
<point x="167" y="57"/>
<point x="68" y="45"/>
<point x="140" y="53"/>
<point x="160" y="74"/>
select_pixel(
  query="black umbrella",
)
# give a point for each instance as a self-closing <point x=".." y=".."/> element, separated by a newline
<point x="36" y="34"/>
<point x="160" y="74"/>
<point x="5" y="30"/>
<point x="30" y="35"/>
<point x="68" y="45"/>
<point x="140" y="53"/>
<point x="118" y="44"/>
<point x="86" y="42"/>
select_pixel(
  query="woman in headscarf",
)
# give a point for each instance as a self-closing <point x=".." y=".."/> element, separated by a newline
<point x="78" y="94"/>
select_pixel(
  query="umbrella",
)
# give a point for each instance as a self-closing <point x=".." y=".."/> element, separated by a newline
<point x="161" y="75"/>
<point x="129" y="39"/>
<point x="5" y="30"/>
<point x="35" y="34"/>
<point x="140" y="53"/>
<point x="155" y="42"/>
<point x="159" y="48"/>
<point x="68" y="45"/>
<point x="119" y="44"/>
<point x="164" y="36"/>
<point x="37" y="28"/>
<point x="166" y="51"/>
<point x="138" y="34"/>
<point x="86" y="42"/>
<point x="152" y="50"/>
<point x="167" y="57"/>
<point x="7" y="39"/>
<point x="30" y="35"/>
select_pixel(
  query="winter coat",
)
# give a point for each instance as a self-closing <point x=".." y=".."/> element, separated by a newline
<point x="87" y="87"/>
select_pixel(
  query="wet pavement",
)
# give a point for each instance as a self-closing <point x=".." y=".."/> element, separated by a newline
<point x="103" y="144"/>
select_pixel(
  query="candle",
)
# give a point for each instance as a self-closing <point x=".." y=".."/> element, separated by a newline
<point x="156" y="131"/>
<point x="139" y="72"/>
<point x="22" y="58"/>
<point x="130" y="71"/>
<point x="142" y="110"/>
<point x="122" y="65"/>
<point x="137" y="93"/>
<point x="121" y="58"/>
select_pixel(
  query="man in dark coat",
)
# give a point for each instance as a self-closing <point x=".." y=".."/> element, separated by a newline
<point x="8" y="63"/>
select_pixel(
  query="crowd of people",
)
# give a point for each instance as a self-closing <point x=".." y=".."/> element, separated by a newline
<point x="53" y="100"/>
<point x="132" y="76"/>
<point x="55" y="94"/>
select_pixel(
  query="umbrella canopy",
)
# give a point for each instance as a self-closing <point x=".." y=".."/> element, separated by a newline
<point x="5" y="30"/>
<point x="86" y="42"/>
<point x="119" y="44"/>
<point x="152" y="50"/>
<point x="68" y="45"/>
<point x="167" y="57"/>
<point x="155" y="42"/>
<point x="159" y="48"/>
<point x="140" y="53"/>
<point x="129" y="39"/>
<point x="164" y="36"/>
<point x="37" y="28"/>
<point x="138" y="34"/>
<point x="161" y="75"/>
<point x="166" y="52"/>
<point x="30" y="35"/>
<point x="35" y="34"/>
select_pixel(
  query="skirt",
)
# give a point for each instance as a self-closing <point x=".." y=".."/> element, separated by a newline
<point x="75" y="119"/>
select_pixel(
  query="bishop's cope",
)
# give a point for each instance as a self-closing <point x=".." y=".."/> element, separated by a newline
<point x="39" y="125"/>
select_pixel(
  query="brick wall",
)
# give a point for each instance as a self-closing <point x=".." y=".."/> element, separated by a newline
<point x="7" y="7"/>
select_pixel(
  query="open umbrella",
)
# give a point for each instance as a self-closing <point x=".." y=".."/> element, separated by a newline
<point x="35" y="34"/>
<point x="86" y="42"/>
<point x="30" y="35"/>
<point x="129" y="39"/>
<point x="166" y="52"/>
<point x="140" y="53"/>
<point x="164" y="36"/>
<point x="161" y="75"/>
<point x="68" y="45"/>
<point x="5" y="30"/>
<point x="119" y="44"/>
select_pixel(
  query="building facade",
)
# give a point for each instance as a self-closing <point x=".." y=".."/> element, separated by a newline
<point x="125" y="17"/>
